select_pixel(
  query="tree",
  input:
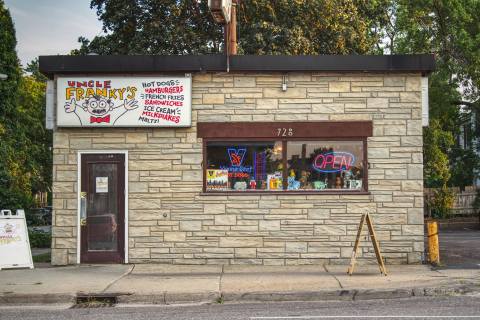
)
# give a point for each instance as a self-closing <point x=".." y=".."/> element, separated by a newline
<point x="154" y="27"/>
<point x="25" y="158"/>
<point x="12" y="177"/>
<point x="449" y="29"/>
<point x="265" y="27"/>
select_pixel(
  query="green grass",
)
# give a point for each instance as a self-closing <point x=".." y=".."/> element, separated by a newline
<point x="45" y="257"/>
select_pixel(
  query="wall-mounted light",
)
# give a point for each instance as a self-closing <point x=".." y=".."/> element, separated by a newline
<point x="284" y="83"/>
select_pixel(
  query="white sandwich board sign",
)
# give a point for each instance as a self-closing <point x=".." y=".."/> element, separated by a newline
<point x="14" y="243"/>
<point x="114" y="101"/>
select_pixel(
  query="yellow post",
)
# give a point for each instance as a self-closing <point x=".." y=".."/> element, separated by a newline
<point x="433" y="248"/>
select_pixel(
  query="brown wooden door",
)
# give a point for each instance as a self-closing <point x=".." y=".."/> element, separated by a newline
<point x="102" y="208"/>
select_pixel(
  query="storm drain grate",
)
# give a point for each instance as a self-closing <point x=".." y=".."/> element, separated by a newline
<point x="94" y="301"/>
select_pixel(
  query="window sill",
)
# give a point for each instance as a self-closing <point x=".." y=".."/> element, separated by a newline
<point x="289" y="192"/>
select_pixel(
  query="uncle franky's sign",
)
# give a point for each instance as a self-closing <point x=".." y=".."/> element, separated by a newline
<point x="124" y="101"/>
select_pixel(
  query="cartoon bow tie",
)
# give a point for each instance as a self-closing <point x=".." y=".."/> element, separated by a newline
<point x="100" y="119"/>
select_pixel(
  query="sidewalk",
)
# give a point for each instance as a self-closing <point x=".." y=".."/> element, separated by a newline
<point x="165" y="284"/>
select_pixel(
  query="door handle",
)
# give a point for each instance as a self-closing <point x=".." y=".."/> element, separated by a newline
<point x="83" y="209"/>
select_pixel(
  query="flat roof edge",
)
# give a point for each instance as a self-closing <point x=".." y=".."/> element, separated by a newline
<point x="64" y="64"/>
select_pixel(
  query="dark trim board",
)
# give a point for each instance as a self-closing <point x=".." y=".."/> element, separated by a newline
<point x="280" y="130"/>
<point x="148" y="64"/>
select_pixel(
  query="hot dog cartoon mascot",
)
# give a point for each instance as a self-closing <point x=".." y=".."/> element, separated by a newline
<point x="99" y="110"/>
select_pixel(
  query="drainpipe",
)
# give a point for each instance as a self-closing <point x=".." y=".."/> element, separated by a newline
<point x="231" y="33"/>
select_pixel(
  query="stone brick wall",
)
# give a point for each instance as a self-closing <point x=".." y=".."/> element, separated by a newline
<point x="171" y="222"/>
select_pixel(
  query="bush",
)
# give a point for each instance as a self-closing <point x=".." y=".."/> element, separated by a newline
<point x="442" y="202"/>
<point x="40" y="239"/>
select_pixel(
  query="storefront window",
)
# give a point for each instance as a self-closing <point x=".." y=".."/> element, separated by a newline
<point x="244" y="166"/>
<point x="313" y="166"/>
<point x="325" y="165"/>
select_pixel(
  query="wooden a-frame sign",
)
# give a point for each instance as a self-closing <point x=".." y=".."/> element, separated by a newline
<point x="373" y="236"/>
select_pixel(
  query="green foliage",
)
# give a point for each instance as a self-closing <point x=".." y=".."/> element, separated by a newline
<point x="25" y="158"/>
<point x="265" y="27"/>
<point x="44" y="257"/>
<point x="39" y="239"/>
<point x="154" y="27"/>
<point x="442" y="202"/>
<point x="306" y="27"/>
<point x="436" y="144"/>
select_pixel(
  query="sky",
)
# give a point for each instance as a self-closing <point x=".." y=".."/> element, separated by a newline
<point x="50" y="27"/>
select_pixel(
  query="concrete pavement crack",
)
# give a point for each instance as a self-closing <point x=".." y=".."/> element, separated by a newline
<point x="116" y="280"/>
<point x="334" y="276"/>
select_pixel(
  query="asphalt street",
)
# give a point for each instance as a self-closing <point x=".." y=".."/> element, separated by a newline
<point x="460" y="248"/>
<point x="412" y="308"/>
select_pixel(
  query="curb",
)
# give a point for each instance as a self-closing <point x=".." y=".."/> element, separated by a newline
<point x="167" y="298"/>
<point x="9" y="299"/>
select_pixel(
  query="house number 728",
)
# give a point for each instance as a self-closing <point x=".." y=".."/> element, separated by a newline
<point x="284" y="132"/>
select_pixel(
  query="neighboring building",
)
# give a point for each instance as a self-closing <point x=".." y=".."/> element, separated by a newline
<point x="274" y="163"/>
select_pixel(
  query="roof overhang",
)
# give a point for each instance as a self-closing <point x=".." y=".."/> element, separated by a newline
<point x="148" y="64"/>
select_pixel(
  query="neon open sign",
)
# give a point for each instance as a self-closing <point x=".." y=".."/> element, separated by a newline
<point x="333" y="161"/>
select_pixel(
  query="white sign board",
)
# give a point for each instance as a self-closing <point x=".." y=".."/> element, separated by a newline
<point x="124" y="101"/>
<point x="101" y="184"/>
<point x="425" y="101"/>
<point x="14" y="243"/>
<point x="50" y="102"/>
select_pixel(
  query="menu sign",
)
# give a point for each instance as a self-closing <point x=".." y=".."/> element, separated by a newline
<point x="124" y="101"/>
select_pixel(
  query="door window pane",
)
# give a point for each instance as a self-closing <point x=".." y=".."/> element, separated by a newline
<point x="325" y="165"/>
<point x="102" y="208"/>
<point x="244" y="166"/>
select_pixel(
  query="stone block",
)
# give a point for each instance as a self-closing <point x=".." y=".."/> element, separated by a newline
<point x="136" y="137"/>
<point x="328" y="108"/>
<point x="138" y="187"/>
<point x="191" y="225"/>
<point x="244" y="82"/>
<point x="339" y="86"/>
<point x="415" y="216"/>
<point x="174" y="236"/>
<point x="413" y="84"/>
<point x="296" y="247"/>
<point x="414" y="257"/>
<point x="214" y="208"/>
<point x="346" y="252"/>
<point x="59" y="257"/>
<point x="318" y="213"/>
<point x="378" y="153"/>
<point x="245" y="253"/>
<point x="410" y="97"/>
<point x="414" y="127"/>
<point x="192" y="158"/>
<point x="395" y="130"/>
<point x="213" y="98"/>
<point x="290" y="93"/>
<point x="134" y="231"/>
<point x="149" y="165"/>
<point x="65" y="220"/>
<point x="64" y="175"/>
<point x="330" y="230"/>
<point x="394" y="81"/>
<point x="268" y="225"/>
<point x="412" y="185"/>
<point x="415" y="171"/>
<point x="63" y="187"/>
<point x="358" y="207"/>
<point x="226" y="220"/>
<point x="191" y="175"/>
<point x="412" y="229"/>
<point x="144" y="204"/>
<point x="202" y="77"/>
<point x="241" y="242"/>
<point x="267" y="103"/>
<point x="60" y="140"/>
